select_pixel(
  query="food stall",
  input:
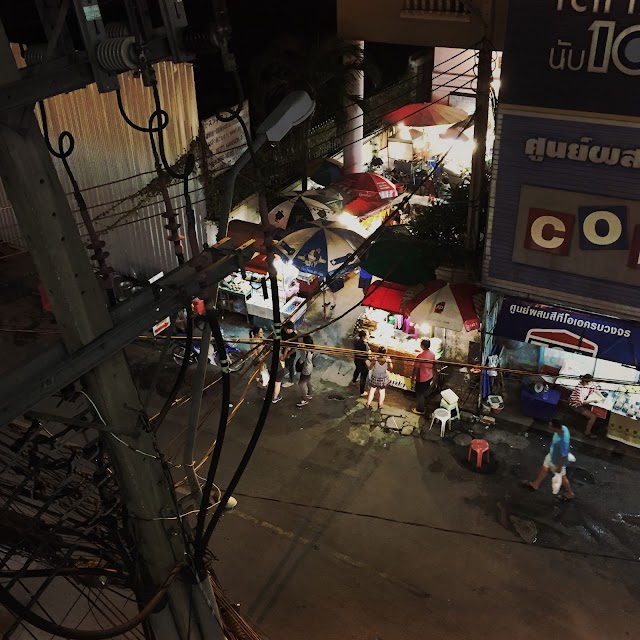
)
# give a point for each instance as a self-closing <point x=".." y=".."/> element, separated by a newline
<point x="389" y="328"/>
<point x="249" y="293"/>
<point x="559" y="345"/>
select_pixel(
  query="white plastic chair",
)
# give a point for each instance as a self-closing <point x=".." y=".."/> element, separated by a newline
<point x="449" y="402"/>
<point x="443" y="416"/>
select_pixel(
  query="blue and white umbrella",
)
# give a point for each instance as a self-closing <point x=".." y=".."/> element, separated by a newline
<point x="320" y="247"/>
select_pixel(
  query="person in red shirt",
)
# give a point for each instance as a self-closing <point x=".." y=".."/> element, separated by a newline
<point x="423" y="375"/>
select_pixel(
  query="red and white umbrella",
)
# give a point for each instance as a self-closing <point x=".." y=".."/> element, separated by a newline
<point x="368" y="185"/>
<point x="450" y="306"/>
<point x="425" y="114"/>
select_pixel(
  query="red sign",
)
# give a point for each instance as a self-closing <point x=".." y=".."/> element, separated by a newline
<point x="549" y="231"/>
<point x="562" y="339"/>
<point x="161" y="326"/>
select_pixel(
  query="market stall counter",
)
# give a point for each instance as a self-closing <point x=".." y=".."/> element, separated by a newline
<point x="398" y="345"/>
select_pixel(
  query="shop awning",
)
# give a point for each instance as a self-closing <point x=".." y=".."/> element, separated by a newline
<point x="362" y="207"/>
<point x="385" y="295"/>
<point x="588" y="334"/>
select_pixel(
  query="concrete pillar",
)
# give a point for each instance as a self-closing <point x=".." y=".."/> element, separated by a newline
<point x="354" y="161"/>
<point x="421" y="65"/>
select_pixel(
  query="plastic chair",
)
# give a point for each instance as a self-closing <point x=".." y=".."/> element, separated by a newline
<point x="443" y="416"/>
<point x="479" y="446"/>
<point x="449" y="402"/>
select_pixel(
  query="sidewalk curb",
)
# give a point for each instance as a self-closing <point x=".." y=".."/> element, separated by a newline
<point x="601" y="446"/>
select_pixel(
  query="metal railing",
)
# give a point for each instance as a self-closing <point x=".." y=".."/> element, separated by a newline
<point x="450" y="9"/>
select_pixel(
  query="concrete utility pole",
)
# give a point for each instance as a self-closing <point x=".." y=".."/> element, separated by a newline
<point x="354" y="134"/>
<point x="79" y="304"/>
<point x="478" y="162"/>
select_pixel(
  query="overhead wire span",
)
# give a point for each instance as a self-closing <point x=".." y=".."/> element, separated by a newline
<point x="105" y="215"/>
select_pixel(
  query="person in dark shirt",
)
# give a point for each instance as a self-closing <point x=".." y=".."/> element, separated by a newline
<point x="289" y="335"/>
<point x="362" y="370"/>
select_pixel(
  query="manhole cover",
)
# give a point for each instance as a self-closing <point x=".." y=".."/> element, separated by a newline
<point x="580" y="475"/>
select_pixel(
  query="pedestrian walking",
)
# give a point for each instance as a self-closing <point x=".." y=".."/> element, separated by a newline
<point x="289" y="335"/>
<point x="336" y="284"/>
<point x="556" y="460"/>
<point x="280" y="375"/>
<point x="423" y="375"/>
<point x="360" y="361"/>
<point x="263" y="377"/>
<point x="379" y="368"/>
<point x="305" y="364"/>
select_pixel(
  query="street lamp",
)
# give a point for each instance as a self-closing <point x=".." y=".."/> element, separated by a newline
<point x="293" y="110"/>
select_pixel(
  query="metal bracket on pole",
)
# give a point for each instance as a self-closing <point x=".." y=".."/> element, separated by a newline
<point x="93" y="32"/>
<point x="175" y="22"/>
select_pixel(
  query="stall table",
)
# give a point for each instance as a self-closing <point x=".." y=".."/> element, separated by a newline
<point x="541" y="406"/>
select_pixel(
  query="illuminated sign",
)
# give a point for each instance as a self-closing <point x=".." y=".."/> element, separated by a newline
<point x="588" y="334"/>
<point x="592" y="46"/>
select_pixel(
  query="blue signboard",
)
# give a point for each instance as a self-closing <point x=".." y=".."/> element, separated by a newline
<point x="564" y="223"/>
<point x="578" y="55"/>
<point x="553" y="327"/>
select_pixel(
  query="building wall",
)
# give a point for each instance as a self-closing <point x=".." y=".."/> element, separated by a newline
<point x="562" y="278"/>
<point x="455" y="69"/>
<point x="383" y="21"/>
<point x="113" y="165"/>
<point x="567" y="154"/>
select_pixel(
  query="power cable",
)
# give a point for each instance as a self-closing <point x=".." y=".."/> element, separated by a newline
<point x="66" y="138"/>
<point x="424" y="525"/>
<point x="39" y="622"/>
<point x="117" y="226"/>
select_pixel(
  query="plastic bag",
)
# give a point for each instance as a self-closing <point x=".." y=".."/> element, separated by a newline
<point x="556" y="483"/>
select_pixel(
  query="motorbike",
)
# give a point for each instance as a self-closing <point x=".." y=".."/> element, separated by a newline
<point x="234" y="355"/>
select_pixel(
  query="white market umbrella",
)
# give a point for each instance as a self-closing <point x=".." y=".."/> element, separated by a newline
<point x="300" y="208"/>
<point x="319" y="247"/>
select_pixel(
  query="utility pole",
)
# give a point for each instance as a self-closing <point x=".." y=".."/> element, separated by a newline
<point x="478" y="162"/>
<point x="79" y="304"/>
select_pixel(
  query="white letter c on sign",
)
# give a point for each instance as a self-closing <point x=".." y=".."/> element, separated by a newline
<point x="540" y="224"/>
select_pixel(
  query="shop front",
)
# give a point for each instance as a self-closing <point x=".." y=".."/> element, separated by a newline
<point x="399" y="317"/>
<point x="558" y="346"/>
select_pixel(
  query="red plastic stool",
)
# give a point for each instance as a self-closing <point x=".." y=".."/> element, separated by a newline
<point x="479" y="446"/>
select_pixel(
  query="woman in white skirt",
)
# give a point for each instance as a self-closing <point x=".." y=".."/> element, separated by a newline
<point x="379" y="376"/>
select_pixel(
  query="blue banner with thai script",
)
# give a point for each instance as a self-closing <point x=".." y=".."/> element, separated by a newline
<point x="578" y="55"/>
<point x="590" y="335"/>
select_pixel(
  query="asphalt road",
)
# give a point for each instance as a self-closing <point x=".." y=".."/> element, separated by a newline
<point x="345" y="530"/>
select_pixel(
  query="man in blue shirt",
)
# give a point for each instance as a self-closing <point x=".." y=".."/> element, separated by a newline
<point x="556" y="459"/>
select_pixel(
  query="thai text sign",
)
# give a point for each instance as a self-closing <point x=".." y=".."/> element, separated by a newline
<point x="225" y="140"/>
<point x="579" y="233"/>
<point x="581" y="55"/>
<point x="590" y="335"/>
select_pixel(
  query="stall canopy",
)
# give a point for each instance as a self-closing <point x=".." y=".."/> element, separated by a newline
<point x="426" y="114"/>
<point x="450" y="306"/>
<point x="588" y="334"/>
<point x="386" y="296"/>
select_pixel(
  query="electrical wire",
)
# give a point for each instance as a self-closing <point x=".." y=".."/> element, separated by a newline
<point x="311" y="148"/>
<point x="39" y="622"/>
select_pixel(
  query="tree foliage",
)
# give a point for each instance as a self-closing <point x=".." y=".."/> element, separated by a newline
<point x="328" y="70"/>
<point x="442" y="226"/>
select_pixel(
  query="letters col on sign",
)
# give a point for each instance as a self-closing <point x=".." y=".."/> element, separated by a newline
<point x="599" y="227"/>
